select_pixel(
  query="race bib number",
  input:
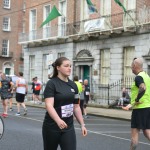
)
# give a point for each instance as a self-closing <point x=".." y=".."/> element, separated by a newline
<point x="87" y="93"/>
<point x="67" y="110"/>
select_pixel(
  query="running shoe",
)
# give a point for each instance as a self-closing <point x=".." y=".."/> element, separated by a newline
<point x="17" y="114"/>
<point x="5" y="115"/>
<point x="10" y="109"/>
<point x="25" y="112"/>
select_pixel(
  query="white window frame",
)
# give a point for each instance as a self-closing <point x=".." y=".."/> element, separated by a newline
<point x="105" y="10"/>
<point x="105" y="7"/>
<point x="6" y="24"/>
<point x="130" y="5"/>
<point x="105" y="66"/>
<point x="5" y="48"/>
<point x="62" y="19"/>
<point x="46" y="27"/>
<point x="33" y="24"/>
<point x="61" y="54"/>
<point x="45" y="67"/>
<point x="128" y="55"/>
<point x="6" y="4"/>
<point x="32" y="66"/>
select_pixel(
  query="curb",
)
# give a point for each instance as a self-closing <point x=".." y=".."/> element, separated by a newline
<point x="94" y="113"/>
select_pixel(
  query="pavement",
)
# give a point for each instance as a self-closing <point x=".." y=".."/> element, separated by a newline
<point x="94" y="109"/>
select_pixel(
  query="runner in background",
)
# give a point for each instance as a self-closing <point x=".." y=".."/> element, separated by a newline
<point x="86" y="96"/>
<point x="37" y="89"/>
<point x="21" y="91"/>
<point x="6" y="88"/>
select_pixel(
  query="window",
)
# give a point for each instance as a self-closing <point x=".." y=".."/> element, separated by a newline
<point x="33" y="24"/>
<point x="6" y="24"/>
<point x="105" y="7"/>
<point x="6" y="4"/>
<point x="5" y="48"/>
<point x="45" y="67"/>
<point x="62" y="20"/>
<point x="61" y="54"/>
<point x="130" y="5"/>
<point x="105" y="10"/>
<point x="105" y="66"/>
<point x="32" y="66"/>
<point x="46" y="29"/>
<point x="129" y="54"/>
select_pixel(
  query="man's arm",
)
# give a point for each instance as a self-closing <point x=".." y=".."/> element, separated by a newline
<point x="142" y="89"/>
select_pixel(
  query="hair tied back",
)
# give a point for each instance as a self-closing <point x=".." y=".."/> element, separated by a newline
<point x="53" y="64"/>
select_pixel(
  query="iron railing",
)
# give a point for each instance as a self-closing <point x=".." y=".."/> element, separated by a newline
<point x="101" y="94"/>
<point x="111" y="23"/>
<point x="105" y="94"/>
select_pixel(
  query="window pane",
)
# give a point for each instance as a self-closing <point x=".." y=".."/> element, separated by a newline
<point x="33" y="20"/>
<point x="6" y="25"/>
<point x="5" y="47"/>
<point x="45" y="68"/>
<point x="128" y="58"/>
<point x="6" y="3"/>
<point x="105" y="66"/>
<point x="32" y="67"/>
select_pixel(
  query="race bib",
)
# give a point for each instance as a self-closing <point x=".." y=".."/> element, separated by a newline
<point x="86" y="93"/>
<point x="67" y="110"/>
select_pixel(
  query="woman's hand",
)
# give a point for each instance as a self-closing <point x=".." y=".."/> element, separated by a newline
<point x="84" y="130"/>
<point x="61" y="124"/>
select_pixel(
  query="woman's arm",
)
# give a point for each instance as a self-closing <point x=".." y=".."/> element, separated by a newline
<point x="78" y="115"/>
<point x="49" y="103"/>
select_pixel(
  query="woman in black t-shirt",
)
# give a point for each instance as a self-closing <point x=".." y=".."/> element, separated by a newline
<point x="62" y="101"/>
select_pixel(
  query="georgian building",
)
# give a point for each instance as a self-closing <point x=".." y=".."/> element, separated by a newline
<point x="11" y="57"/>
<point x="101" y="45"/>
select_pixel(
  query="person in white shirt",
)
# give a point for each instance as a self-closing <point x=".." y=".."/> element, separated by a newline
<point x="21" y="91"/>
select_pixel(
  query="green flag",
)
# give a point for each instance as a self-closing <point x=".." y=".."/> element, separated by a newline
<point x="91" y="7"/>
<point x="52" y="15"/>
<point x="89" y="2"/>
<point x="120" y="4"/>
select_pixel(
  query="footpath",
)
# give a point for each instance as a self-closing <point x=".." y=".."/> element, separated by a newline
<point x="97" y="110"/>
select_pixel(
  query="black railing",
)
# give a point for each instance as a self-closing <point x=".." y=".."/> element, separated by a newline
<point x="102" y="93"/>
<point x="105" y="94"/>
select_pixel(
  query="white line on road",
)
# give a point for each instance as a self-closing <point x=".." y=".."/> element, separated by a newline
<point x="107" y="125"/>
<point x="88" y="131"/>
<point x="112" y="136"/>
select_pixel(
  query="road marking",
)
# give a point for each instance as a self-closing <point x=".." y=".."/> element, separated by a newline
<point x="106" y="125"/>
<point x="25" y="117"/>
<point x="116" y="137"/>
<point x="90" y="131"/>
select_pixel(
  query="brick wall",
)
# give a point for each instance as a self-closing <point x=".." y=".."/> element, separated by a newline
<point x="15" y="23"/>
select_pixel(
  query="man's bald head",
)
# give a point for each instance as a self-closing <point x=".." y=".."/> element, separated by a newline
<point x="137" y="65"/>
<point x="138" y="62"/>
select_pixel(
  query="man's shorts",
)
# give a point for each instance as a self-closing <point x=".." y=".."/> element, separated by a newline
<point x="140" y="118"/>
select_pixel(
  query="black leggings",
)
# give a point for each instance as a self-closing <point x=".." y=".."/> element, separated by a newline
<point x="66" y="140"/>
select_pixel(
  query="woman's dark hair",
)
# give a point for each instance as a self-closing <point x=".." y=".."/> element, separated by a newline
<point x="21" y="74"/>
<point x="75" y="78"/>
<point x="57" y="63"/>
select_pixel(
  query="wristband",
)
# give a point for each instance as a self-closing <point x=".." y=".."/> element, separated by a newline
<point x="83" y="125"/>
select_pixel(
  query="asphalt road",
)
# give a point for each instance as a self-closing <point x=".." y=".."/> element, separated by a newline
<point x="24" y="133"/>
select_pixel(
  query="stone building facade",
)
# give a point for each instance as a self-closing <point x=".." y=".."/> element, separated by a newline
<point x="101" y="45"/>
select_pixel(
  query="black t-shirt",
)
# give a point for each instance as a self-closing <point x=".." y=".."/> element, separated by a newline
<point x="65" y="94"/>
<point x="138" y="80"/>
<point x="87" y="92"/>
